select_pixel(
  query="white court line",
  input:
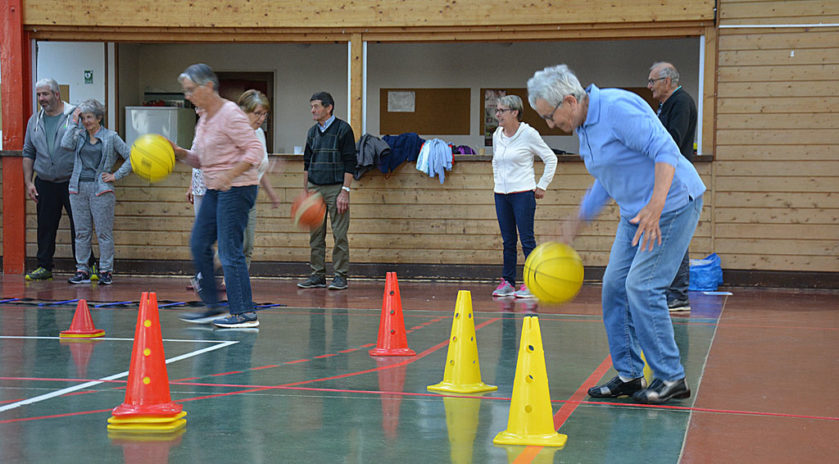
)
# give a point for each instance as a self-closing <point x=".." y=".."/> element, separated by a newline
<point x="64" y="391"/>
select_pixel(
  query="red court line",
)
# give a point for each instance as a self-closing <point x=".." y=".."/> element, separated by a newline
<point x="327" y="355"/>
<point x="349" y="350"/>
<point x="262" y="367"/>
<point x="225" y="373"/>
<point x="297" y="361"/>
<point x="567" y="408"/>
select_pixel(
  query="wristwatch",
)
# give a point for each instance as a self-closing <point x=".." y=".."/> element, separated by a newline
<point x="345" y="188"/>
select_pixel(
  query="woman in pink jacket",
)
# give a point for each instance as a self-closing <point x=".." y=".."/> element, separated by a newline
<point x="228" y="152"/>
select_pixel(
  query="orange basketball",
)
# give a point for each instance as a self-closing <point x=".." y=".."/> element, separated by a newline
<point x="308" y="210"/>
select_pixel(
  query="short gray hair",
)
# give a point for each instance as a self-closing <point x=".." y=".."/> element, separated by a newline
<point x="553" y="84"/>
<point x="513" y="102"/>
<point x="48" y="82"/>
<point x="93" y="106"/>
<point x="667" y="70"/>
<point x="200" y="74"/>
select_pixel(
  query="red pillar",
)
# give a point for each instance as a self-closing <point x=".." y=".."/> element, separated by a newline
<point x="17" y="95"/>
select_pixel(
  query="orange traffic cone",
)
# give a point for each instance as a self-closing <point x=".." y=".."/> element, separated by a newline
<point x="148" y="406"/>
<point x="392" y="339"/>
<point x="82" y="325"/>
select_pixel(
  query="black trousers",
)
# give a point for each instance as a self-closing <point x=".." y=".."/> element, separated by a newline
<point x="52" y="198"/>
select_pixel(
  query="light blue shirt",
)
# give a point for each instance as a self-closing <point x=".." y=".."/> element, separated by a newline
<point x="621" y="141"/>
<point x="327" y="123"/>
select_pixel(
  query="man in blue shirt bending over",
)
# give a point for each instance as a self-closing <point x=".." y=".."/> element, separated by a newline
<point x="635" y="162"/>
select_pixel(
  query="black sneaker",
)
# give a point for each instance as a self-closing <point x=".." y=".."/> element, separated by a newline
<point x="81" y="277"/>
<point x="105" y="278"/>
<point x="338" y="283"/>
<point x="659" y="392"/>
<point x="616" y="388"/>
<point x="201" y="317"/>
<point x="237" y="321"/>
<point x="678" y="305"/>
<point x="314" y="281"/>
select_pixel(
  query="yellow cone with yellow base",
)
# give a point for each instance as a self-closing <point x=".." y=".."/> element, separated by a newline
<point x="531" y="418"/>
<point x="463" y="370"/>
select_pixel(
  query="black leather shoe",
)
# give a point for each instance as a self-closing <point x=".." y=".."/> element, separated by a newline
<point x="616" y="388"/>
<point x="659" y="392"/>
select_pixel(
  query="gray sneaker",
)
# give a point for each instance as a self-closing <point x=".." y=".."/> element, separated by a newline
<point x="202" y="317"/>
<point x="338" y="283"/>
<point x="314" y="281"/>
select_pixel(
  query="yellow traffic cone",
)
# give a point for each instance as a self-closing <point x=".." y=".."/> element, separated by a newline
<point x="531" y="418"/>
<point x="463" y="370"/>
<point x="462" y="423"/>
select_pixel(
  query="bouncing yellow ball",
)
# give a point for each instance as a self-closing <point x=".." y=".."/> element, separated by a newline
<point x="553" y="272"/>
<point x="152" y="157"/>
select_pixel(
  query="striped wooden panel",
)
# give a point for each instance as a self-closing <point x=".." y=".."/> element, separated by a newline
<point x="356" y="13"/>
<point x="777" y="163"/>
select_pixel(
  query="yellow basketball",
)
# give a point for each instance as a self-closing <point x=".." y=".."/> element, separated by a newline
<point x="152" y="157"/>
<point x="553" y="272"/>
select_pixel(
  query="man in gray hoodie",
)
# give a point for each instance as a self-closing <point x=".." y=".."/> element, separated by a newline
<point x="43" y="155"/>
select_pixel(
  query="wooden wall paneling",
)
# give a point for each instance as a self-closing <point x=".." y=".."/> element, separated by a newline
<point x="779" y="12"/>
<point x="358" y="13"/>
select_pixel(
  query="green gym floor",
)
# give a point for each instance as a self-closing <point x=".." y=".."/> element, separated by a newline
<point x="762" y="366"/>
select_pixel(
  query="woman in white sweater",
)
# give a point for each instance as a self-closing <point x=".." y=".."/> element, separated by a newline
<point x="515" y="144"/>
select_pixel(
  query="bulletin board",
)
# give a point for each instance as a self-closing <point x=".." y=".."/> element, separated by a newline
<point x="425" y="111"/>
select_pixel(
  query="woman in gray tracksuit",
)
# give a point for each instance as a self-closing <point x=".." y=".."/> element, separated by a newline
<point x="92" y="186"/>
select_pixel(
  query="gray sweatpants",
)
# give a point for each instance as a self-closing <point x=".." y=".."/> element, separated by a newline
<point x="90" y="210"/>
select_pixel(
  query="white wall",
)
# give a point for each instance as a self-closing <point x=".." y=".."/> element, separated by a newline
<point x="66" y="62"/>
<point x="299" y="71"/>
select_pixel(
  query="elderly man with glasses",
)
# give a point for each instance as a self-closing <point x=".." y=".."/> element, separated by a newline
<point x="634" y="162"/>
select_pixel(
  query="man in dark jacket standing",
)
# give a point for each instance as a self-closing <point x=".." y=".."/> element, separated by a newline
<point x="329" y="163"/>
<point x="677" y="113"/>
<point x="43" y="155"/>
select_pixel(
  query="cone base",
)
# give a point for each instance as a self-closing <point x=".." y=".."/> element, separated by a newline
<point x="145" y="419"/>
<point x="81" y="334"/>
<point x="125" y="410"/>
<point x="392" y="352"/>
<point x="511" y="438"/>
<point x="145" y="427"/>
<point x="448" y="387"/>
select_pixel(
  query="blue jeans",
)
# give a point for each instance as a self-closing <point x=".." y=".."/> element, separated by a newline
<point x="223" y="216"/>
<point x="634" y="302"/>
<point x="515" y="210"/>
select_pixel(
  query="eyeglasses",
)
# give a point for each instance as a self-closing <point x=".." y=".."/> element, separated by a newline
<point x="189" y="90"/>
<point x="653" y="81"/>
<point x="501" y="110"/>
<point x="261" y="114"/>
<point x="550" y="117"/>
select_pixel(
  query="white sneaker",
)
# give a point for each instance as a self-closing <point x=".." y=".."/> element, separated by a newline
<point x="523" y="292"/>
<point x="504" y="289"/>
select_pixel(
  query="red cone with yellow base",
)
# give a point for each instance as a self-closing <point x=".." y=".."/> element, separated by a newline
<point x="393" y="340"/>
<point x="148" y="408"/>
<point x="82" y="325"/>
